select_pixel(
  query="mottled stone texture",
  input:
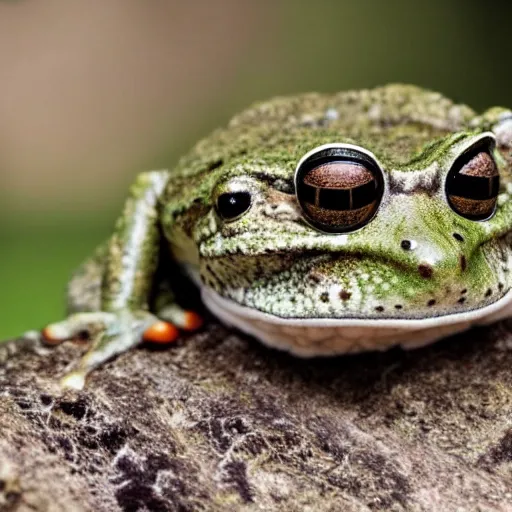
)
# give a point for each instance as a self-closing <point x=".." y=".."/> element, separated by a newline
<point x="219" y="422"/>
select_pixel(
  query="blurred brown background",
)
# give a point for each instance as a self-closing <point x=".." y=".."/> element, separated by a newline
<point x="92" y="92"/>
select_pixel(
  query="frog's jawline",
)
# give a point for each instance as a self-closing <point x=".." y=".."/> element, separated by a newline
<point x="330" y="336"/>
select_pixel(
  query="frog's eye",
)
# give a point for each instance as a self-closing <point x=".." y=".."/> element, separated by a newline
<point x="232" y="205"/>
<point x="339" y="188"/>
<point x="472" y="185"/>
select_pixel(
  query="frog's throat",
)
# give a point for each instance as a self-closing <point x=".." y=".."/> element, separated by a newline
<point x="329" y="336"/>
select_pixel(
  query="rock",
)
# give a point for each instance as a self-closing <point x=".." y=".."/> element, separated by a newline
<point x="219" y="422"/>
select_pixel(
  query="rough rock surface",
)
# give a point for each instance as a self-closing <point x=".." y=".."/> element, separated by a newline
<point x="219" y="422"/>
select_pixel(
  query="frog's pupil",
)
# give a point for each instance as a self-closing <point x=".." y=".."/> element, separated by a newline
<point x="233" y="204"/>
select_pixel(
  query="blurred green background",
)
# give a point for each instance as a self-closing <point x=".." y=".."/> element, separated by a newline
<point x="92" y="92"/>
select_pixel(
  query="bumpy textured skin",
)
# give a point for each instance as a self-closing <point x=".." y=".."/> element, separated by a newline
<point x="272" y="261"/>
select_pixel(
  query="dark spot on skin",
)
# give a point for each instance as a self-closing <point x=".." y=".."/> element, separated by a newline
<point x="458" y="237"/>
<point x="465" y="290"/>
<point x="505" y="269"/>
<point x="463" y="263"/>
<point x="425" y="271"/>
<point x="379" y="309"/>
<point x="488" y="293"/>
<point x="501" y="286"/>
<point x="215" y="164"/>
<point x="344" y="295"/>
<point x="324" y="297"/>
<point x="431" y="302"/>
<point x="398" y="306"/>
<point x="462" y="300"/>
<point x="315" y="277"/>
<point x="406" y="245"/>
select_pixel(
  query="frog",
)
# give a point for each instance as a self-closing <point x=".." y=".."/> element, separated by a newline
<point x="320" y="224"/>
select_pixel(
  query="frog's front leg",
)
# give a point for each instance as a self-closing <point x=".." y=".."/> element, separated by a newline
<point x="130" y="262"/>
<point x="110" y="298"/>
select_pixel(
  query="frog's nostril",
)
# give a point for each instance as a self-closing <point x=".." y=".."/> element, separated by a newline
<point x="408" y="245"/>
<point x="458" y="237"/>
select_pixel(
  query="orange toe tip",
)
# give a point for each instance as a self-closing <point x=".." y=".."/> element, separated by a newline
<point x="161" y="332"/>
<point x="49" y="336"/>
<point x="192" y="321"/>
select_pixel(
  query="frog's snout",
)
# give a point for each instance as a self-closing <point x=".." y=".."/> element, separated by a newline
<point x="447" y="254"/>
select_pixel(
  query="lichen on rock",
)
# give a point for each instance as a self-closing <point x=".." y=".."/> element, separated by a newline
<point x="219" y="422"/>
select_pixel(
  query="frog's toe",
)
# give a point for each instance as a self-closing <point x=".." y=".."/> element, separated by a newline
<point x="73" y="380"/>
<point x="161" y="332"/>
<point x="183" y="319"/>
<point x="192" y="321"/>
<point x="79" y="325"/>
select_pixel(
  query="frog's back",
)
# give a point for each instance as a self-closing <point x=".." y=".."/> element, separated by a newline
<point x="401" y="117"/>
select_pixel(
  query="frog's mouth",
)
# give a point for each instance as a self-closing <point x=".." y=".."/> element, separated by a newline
<point x="326" y="304"/>
<point x="344" y="286"/>
<point x="310" y="337"/>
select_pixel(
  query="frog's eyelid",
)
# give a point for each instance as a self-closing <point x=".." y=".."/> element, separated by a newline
<point x="349" y="148"/>
<point x="472" y="144"/>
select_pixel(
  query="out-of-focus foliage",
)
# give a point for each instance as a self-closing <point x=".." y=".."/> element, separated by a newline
<point x="92" y="93"/>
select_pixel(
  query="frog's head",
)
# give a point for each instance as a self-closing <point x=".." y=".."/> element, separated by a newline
<point x="361" y="233"/>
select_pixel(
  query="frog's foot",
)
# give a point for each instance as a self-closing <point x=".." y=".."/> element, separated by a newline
<point x="112" y="334"/>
